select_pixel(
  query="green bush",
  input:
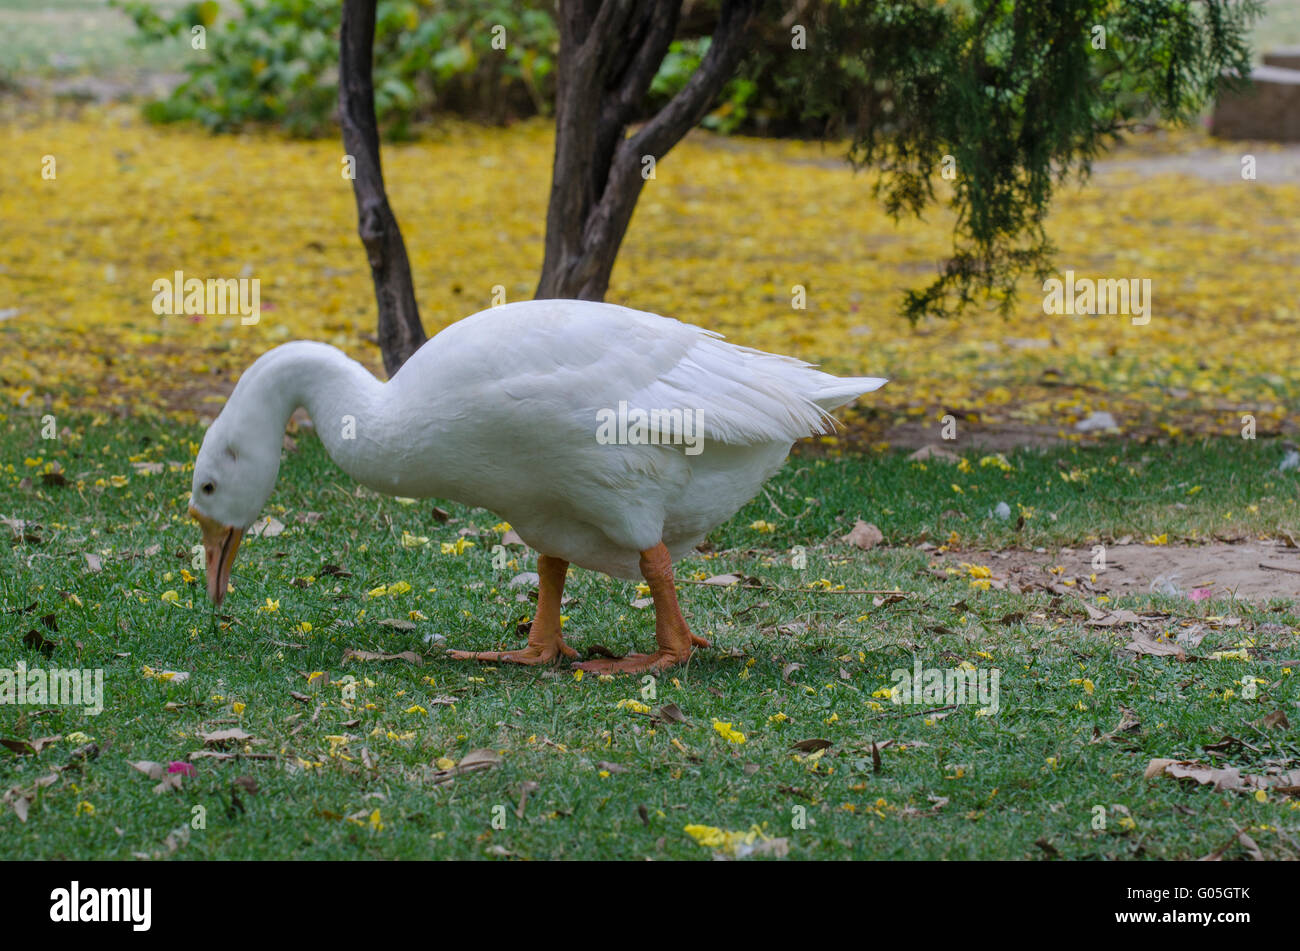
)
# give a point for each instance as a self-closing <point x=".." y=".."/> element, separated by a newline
<point x="276" y="61"/>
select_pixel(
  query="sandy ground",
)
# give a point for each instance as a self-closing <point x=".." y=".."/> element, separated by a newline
<point x="1254" y="571"/>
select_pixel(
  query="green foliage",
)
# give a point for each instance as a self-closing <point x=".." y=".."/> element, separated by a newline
<point x="277" y="61"/>
<point x="1019" y="95"/>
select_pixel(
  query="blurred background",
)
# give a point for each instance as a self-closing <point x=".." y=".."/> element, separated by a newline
<point x="225" y="162"/>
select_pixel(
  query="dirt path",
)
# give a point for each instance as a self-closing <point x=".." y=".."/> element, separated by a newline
<point x="1254" y="571"/>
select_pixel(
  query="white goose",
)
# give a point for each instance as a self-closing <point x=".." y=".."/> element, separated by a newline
<point x="609" y="438"/>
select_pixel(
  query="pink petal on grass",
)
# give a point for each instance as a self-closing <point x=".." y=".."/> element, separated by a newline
<point x="1199" y="594"/>
<point x="186" y="768"/>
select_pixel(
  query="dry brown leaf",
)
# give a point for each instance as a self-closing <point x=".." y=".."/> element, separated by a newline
<point x="524" y="789"/>
<point x="1247" y="843"/>
<point x="149" y="768"/>
<point x="1277" y="720"/>
<point x="1145" y="645"/>
<point x="266" y="527"/>
<point x="670" y="713"/>
<point x="811" y="745"/>
<point x="865" y="535"/>
<point x="30" y="747"/>
<point x="1128" y="723"/>
<point x="411" y="657"/>
<point x="1227" y="778"/>
<point x="480" y="759"/>
<point x="1122" y="616"/>
<point x="723" y="579"/>
<point x="937" y="453"/>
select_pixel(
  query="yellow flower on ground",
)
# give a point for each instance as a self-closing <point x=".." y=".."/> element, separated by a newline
<point x="728" y="733"/>
<point x="457" y="547"/>
<point x="733" y="843"/>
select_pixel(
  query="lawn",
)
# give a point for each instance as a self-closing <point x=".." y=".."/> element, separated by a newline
<point x="347" y="757"/>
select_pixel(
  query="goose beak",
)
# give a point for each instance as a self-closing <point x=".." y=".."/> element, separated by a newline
<point x="220" y="542"/>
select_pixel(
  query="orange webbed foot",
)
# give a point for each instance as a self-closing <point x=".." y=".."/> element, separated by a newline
<point x="533" y="655"/>
<point x="635" y="663"/>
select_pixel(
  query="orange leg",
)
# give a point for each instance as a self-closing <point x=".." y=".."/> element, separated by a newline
<point x="545" y="643"/>
<point x="671" y="632"/>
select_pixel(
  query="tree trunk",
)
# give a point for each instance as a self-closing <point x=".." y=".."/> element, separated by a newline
<point x="400" y="331"/>
<point x="609" y="53"/>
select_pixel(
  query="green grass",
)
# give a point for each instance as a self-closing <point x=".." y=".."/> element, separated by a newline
<point x="1031" y="773"/>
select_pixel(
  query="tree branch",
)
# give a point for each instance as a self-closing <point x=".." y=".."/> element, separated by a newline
<point x="693" y="100"/>
<point x="400" y="331"/>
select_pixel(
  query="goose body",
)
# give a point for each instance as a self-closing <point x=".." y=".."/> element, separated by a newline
<point x="598" y="432"/>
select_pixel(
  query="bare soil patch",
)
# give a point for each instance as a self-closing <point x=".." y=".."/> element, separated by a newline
<point x="1252" y="570"/>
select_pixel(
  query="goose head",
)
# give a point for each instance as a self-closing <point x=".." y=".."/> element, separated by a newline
<point x="234" y="474"/>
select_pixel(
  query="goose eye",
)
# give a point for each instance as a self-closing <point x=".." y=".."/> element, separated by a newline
<point x="208" y="488"/>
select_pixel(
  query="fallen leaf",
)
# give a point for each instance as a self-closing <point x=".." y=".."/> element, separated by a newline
<point x="937" y="453"/>
<point x="1128" y="723"/>
<point x="480" y="759"/>
<point x="1222" y="778"/>
<point x="670" y="713"/>
<point x="266" y="527"/>
<point x="39" y="642"/>
<point x="811" y="745"/>
<point x="865" y="535"/>
<point x="1145" y="645"/>
<point x="1247" y="843"/>
<point x="1277" y="719"/>
<point x="149" y="768"/>
<point x="411" y="657"/>
<point x="1122" y="616"/>
<point x="30" y="747"/>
